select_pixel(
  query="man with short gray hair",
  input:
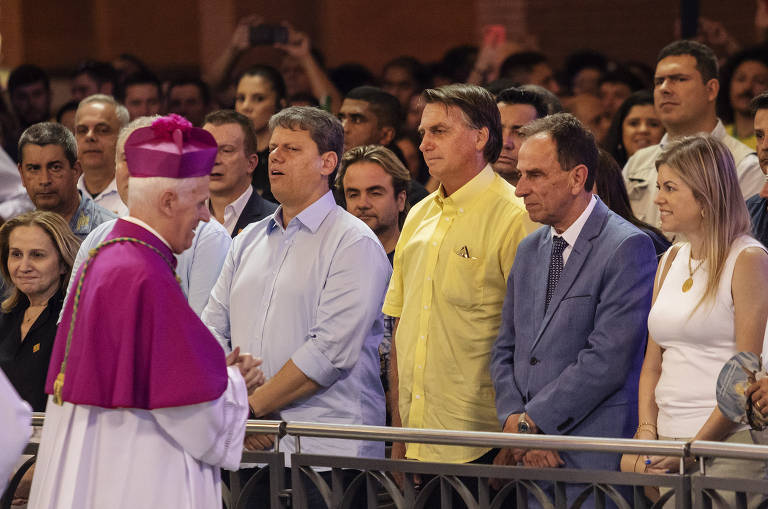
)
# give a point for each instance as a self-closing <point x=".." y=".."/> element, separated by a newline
<point x="49" y="171"/>
<point x="303" y="289"/>
<point x="98" y="120"/>
<point x="198" y="267"/>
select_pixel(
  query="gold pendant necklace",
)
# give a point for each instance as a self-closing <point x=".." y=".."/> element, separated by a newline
<point x="688" y="283"/>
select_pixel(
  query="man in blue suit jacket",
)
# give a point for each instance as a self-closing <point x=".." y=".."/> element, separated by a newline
<point x="570" y="346"/>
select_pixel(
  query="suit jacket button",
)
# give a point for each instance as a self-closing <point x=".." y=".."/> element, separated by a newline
<point x="534" y="361"/>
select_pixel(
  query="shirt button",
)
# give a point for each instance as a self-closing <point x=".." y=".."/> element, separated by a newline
<point x="434" y="243"/>
<point x="461" y="210"/>
<point x="447" y="218"/>
<point x="426" y="307"/>
<point x="418" y="396"/>
<point x="419" y="366"/>
<point x="429" y="278"/>
<point x="422" y="337"/>
<point x="534" y="361"/>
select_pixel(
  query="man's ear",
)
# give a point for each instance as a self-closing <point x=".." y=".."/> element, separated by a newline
<point x="21" y="174"/>
<point x="78" y="168"/>
<point x="578" y="176"/>
<point x="329" y="161"/>
<point x="386" y="135"/>
<point x="482" y="138"/>
<point x="713" y="87"/>
<point x="253" y="161"/>
<point x="400" y="199"/>
<point x="168" y="203"/>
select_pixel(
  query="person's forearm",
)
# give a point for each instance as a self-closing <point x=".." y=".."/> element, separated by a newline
<point x="287" y="386"/>
<point x="320" y="83"/>
<point x="394" y="388"/>
<point x="647" y="409"/>
<point x="218" y="73"/>
<point x="716" y="428"/>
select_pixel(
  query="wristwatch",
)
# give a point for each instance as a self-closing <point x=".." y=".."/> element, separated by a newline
<point x="523" y="426"/>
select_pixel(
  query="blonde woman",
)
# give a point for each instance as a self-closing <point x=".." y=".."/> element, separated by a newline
<point x="710" y="301"/>
<point x="36" y="251"/>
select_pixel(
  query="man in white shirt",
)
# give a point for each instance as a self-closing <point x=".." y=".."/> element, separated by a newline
<point x="685" y="94"/>
<point x="98" y="120"/>
<point x="233" y="202"/>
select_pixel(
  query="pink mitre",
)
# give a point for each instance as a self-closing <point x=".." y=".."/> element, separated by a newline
<point x="171" y="147"/>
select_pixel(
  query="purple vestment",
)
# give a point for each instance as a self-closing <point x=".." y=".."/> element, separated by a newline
<point x="136" y="342"/>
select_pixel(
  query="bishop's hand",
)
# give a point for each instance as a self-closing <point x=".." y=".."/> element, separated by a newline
<point x="249" y="368"/>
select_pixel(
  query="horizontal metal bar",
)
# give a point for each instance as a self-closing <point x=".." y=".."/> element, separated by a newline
<point x="486" y="439"/>
<point x="729" y="450"/>
<point x="269" y="427"/>
<point x="252" y="426"/>
<point x="492" y="439"/>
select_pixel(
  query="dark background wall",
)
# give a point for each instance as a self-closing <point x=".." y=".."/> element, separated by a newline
<point x="188" y="34"/>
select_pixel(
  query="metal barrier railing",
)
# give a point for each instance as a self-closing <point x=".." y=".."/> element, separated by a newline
<point x="378" y="471"/>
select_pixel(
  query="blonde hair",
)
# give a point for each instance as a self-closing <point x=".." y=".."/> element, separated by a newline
<point x="62" y="237"/>
<point x="707" y="167"/>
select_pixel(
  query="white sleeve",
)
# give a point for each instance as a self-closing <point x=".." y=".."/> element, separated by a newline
<point x="211" y="432"/>
<point x="751" y="178"/>
<point x="16" y="417"/>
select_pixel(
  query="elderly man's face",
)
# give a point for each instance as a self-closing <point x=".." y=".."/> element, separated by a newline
<point x="546" y="189"/>
<point x="189" y="209"/>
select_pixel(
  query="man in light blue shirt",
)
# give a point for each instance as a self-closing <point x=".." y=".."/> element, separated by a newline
<point x="198" y="267"/>
<point x="303" y="290"/>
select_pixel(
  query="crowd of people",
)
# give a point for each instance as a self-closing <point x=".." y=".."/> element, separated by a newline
<point x="481" y="244"/>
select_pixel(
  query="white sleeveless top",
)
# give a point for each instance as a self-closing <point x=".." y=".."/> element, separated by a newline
<point x="695" y="346"/>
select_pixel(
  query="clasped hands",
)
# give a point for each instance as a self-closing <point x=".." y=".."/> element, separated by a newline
<point x="254" y="378"/>
<point x="249" y="368"/>
<point x="538" y="458"/>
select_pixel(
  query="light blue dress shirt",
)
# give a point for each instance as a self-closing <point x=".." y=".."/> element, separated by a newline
<point x="311" y="293"/>
<point x="198" y="267"/>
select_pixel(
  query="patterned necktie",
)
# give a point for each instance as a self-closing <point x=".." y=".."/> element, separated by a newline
<point x="555" y="267"/>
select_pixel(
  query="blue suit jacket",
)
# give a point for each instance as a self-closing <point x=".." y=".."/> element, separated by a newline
<point x="575" y="368"/>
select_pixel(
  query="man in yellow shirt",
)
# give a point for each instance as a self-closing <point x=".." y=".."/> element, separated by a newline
<point x="450" y="270"/>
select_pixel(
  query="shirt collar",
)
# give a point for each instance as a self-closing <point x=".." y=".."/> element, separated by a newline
<point x="111" y="187"/>
<point x="718" y="133"/>
<point x="237" y="206"/>
<point x="311" y="217"/>
<point x="571" y="234"/>
<point x="467" y="193"/>
<point x="144" y="225"/>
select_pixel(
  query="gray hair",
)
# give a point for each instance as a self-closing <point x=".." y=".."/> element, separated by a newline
<point x="50" y="133"/>
<point x="324" y="129"/>
<point x="120" y="111"/>
<point x="128" y="130"/>
<point x="145" y="192"/>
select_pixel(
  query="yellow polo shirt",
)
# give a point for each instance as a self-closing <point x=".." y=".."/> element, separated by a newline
<point x="450" y="278"/>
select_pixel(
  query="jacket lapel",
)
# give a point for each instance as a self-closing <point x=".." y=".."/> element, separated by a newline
<point x="576" y="260"/>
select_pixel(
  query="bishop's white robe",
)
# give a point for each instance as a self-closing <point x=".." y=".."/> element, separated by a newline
<point x="93" y="457"/>
<point x="15" y="429"/>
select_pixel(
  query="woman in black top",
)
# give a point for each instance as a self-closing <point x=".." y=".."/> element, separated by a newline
<point x="36" y="254"/>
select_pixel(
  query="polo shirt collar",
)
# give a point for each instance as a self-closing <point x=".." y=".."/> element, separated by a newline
<point x="469" y="192"/>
